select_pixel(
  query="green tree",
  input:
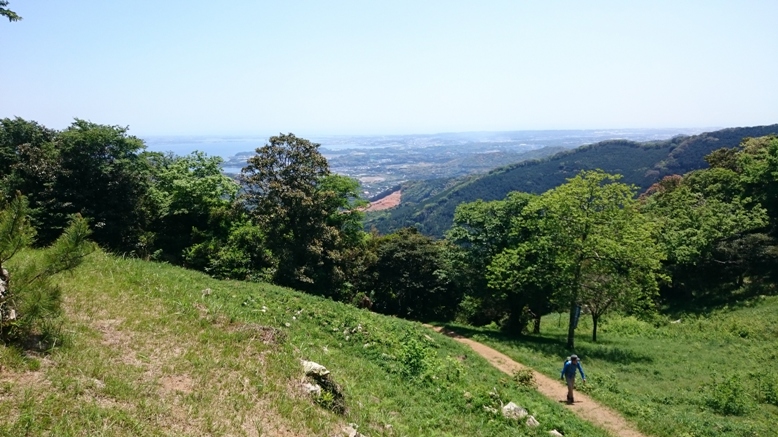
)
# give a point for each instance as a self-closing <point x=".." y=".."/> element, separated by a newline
<point x="693" y="226"/>
<point x="308" y="214"/>
<point x="29" y="163"/>
<point x="759" y="174"/>
<point x="583" y="235"/>
<point x="187" y="194"/>
<point x="103" y="178"/>
<point x="5" y="12"/>
<point x="481" y="231"/>
<point x="29" y="301"/>
<point x="409" y="277"/>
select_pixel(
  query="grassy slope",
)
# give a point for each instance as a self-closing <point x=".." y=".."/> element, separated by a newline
<point x="150" y="354"/>
<point x="660" y="378"/>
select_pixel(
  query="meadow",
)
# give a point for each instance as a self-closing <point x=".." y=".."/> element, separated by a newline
<point x="689" y="374"/>
<point x="151" y="349"/>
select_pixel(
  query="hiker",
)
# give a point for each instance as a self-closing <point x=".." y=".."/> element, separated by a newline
<point x="568" y="373"/>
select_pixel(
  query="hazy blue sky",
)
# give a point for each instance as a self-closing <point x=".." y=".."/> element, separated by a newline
<point x="370" y="67"/>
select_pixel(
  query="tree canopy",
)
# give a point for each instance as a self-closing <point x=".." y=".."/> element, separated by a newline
<point x="7" y="13"/>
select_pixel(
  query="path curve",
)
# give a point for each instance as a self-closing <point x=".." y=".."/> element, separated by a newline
<point x="584" y="406"/>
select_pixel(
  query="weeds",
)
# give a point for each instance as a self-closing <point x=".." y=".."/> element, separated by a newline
<point x="525" y="378"/>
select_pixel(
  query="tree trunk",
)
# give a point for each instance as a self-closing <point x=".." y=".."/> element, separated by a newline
<point x="595" y="318"/>
<point x="571" y="325"/>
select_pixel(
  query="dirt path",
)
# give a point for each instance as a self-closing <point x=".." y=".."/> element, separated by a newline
<point x="584" y="406"/>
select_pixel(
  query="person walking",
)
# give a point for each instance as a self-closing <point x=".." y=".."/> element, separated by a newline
<point x="568" y="373"/>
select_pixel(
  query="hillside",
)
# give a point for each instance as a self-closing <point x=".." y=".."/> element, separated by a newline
<point x="430" y="205"/>
<point x="687" y="374"/>
<point x="159" y="350"/>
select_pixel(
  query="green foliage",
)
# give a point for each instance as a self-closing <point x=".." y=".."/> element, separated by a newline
<point x="29" y="301"/>
<point x="187" y="195"/>
<point x="767" y="388"/>
<point x="586" y="241"/>
<point x="409" y="276"/>
<point x="481" y="231"/>
<point x="104" y="179"/>
<point x="5" y="12"/>
<point x="525" y="378"/>
<point x="711" y="227"/>
<point x="309" y="215"/>
<point x="728" y="395"/>
<point x="418" y="360"/>
<point x="231" y="248"/>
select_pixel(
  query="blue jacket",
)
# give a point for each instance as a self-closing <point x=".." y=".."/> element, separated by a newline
<point x="569" y="370"/>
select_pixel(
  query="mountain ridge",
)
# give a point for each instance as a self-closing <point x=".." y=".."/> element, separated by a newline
<point x="430" y="205"/>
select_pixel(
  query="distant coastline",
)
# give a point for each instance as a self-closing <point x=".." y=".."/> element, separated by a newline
<point x="228" y="146"/>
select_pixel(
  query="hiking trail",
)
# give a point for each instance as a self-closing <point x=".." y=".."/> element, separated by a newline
<point x="584" y="406"/>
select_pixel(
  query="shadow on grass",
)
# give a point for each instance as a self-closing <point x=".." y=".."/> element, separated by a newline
<point x="704" y="304"/>
<point x="555" y="345"/>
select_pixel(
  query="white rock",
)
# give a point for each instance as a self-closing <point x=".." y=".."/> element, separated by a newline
<point x="312" y="389"/>
<point x="556" y="433"/>
<point x="351" y="430"/>
<point x="312" y="368"/>
<point x="513" y="411"/>
<point x="531" y="421"/>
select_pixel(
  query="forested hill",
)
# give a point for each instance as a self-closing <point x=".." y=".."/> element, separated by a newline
<point x="430" y="205"/>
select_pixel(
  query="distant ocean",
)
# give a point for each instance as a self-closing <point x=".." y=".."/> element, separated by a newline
<point x="228" y="146"/>
<point x="213" y="146"/>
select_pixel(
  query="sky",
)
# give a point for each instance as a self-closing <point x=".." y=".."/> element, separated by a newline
<point x="241" y="67"/>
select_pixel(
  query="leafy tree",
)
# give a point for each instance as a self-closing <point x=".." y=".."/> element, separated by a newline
<point x="308" y="214"/>
<point x="409" y="277"/>
<point x="694" y="225"/>
<point x="5" y="12"/>
<point x="29" y="301"/>
<point x="186" y="193"/>
<point x="231" y="247"/>
<point x="481" y="231"/>
<point x="584" y="236"/>
<point x="29" y="163"/>
<point x="103" y="178"/>
<point x="759" y="174"/>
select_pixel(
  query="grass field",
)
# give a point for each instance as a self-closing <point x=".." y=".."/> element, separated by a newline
<point x="155" y="350"/>
<point x="697" y="375"/>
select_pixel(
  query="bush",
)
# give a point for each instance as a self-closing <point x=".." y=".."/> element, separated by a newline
<point x="525" y="378"/>
<point x="418" y="361"/>
<point x="767" y="389"/>
<point x="728" y="395"/>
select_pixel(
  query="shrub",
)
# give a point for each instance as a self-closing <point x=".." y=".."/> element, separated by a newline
<point x="525" y="378"/>
<point x="728" y="395"/>
<point x="417" y="360"/>
<point x="767" y="389"/>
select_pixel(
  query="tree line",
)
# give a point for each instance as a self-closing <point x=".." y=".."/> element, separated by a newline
<point x="592" y="243"/>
